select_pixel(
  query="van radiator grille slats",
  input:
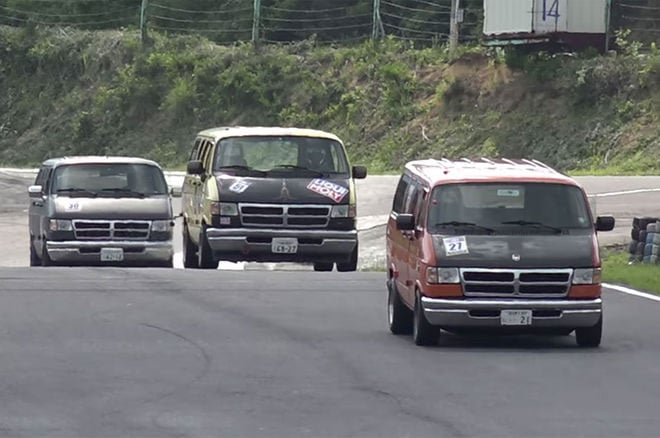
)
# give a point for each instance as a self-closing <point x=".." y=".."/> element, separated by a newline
<point x="111" y="230"/>
<point x="523" y="283"/>
<point x="284" y="215"/>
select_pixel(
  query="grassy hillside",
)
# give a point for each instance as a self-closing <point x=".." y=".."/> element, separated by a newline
<point x="75" y="92"/>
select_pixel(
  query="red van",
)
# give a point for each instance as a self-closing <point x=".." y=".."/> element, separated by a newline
<point x="496" y="246"/>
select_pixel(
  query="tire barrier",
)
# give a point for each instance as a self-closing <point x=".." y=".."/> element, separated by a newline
<point x="645" y="244"/>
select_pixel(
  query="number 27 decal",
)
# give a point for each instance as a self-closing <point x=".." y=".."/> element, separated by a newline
<point x="550" y="9"/>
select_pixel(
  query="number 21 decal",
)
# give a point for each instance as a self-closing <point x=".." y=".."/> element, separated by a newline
<point x="550" y="9"/>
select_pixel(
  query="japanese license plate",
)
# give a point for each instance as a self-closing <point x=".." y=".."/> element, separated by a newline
<point x="112" y="254"/>
<point x="284" y="245"/>
<point x="516" y="317"/>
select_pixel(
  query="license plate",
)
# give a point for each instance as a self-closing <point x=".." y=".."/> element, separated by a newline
<point x="516" y="317"/>
<point x="112" y="254"/>
<point x="284" y="245"/>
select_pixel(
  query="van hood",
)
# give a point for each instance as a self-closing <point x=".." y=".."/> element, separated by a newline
<point x="284" y="190"/>
<point x="155" y="207"/>
<point x="572" y="250"/>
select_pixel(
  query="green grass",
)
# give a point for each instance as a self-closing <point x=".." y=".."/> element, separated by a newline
<point x="617" y="270"/>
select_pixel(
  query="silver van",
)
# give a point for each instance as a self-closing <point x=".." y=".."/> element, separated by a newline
<point x="100" y="210"/>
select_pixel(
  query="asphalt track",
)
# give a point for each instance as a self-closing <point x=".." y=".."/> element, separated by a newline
<point x="106" y="352"/>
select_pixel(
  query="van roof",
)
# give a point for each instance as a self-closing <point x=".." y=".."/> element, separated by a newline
<point x="486" y="169"/>
<point x="245" y="131"/>
<point x="97" y="159"/>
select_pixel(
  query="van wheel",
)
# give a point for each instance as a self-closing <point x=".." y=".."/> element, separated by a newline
<point x="399" y="317"/>
<point x="189" y="251"/>
<point x="45" y="258"/>
<point x="423" y="332"/>
<point x="590" y="337"/>
<point x="205" y="255"/>
<point x="323" y="267"/>
<point x="35" y="260"/>
<point x="350" y="265"/>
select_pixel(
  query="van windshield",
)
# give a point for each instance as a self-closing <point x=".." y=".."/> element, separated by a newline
<point x="523" y="208"/>
<point x="287" y="156"/>
<point x="113" y="179"/>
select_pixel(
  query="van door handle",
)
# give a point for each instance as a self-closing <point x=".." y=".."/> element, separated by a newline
<point x="37" y="203"/>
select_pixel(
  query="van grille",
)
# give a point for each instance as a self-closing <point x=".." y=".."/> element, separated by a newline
<point x="111" y="230"/>
<point x="523" y="283"/>
<point x="284" y="215"/>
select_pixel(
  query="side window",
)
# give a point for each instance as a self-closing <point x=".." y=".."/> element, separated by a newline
<point x="420" y="210"/>
<point x="195" y="149"/>
<point x="42" y="178"/>
<point x="204" y="153"/>
<point x="412" y="198"/>
<point x="399" y="195"/>
<point x="208" y="160"/>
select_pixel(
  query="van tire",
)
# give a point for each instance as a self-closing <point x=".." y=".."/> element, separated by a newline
<point x="204" y="253"/>
<point x="399" y="317"/>
<point x="590" y="337"/>
<point x="350" y="265"/>
<point x="323" y="267"/>
<point x="423" y="332"/>
<point x="35" y="260"/>
<point x="45" y="258"/>
<point x="189" y="250"/>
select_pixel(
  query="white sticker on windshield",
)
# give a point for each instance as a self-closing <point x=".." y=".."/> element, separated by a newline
<point x="455" y="245"/>
<point x="508" y="192"/>
<point x="73" y="206"/>
<point x="239" y="186"/>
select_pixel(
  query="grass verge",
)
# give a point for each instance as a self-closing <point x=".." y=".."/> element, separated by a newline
<point x="617" y="270"/>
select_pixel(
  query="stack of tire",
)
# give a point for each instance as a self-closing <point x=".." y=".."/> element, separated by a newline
<point x="645" y="244"/>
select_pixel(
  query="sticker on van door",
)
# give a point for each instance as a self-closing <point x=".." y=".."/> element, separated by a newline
<point x="328" y="189"/>
<point x="455" y="245"/>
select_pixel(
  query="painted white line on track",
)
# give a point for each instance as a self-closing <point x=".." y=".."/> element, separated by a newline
<point x="629" y="291"/>
<point x="623" y="192"/>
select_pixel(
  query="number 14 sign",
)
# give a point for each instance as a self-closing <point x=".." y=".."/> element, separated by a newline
<point x="550" y="9"/>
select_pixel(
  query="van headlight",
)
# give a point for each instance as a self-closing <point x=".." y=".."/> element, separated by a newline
<point x="60" y="225"/>
<point x="224" y="209"/>
<point x="160" y="226"/>
<point x="345" y="210"/>
<point x="442" y="275"/>
<point x="587" y="276"/>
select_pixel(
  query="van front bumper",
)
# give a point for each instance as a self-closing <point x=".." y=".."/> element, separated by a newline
<point x="249" y="244"/>
<point x="485" y="313"/>
<point x="89" y="252"/>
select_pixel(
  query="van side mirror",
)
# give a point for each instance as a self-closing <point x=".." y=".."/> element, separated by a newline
<point x="359" y="172"/>
<point x="195" y="167"/>
<point x="605" y="223"/>
<point x="405" y="222"/>
<point x="35" y="191"/>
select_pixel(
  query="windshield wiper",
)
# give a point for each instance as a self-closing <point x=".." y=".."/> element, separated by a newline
<point x="124" y="191"/>
<point x="523" y="223"/>
<point x="294" y="167"/>
<point x="241" y="167"/>
<point x="78" y="191"/>
<point x="465" y="224"/>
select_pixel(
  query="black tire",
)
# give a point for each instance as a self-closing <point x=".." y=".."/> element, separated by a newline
<point x="205" y="254"/>
<point x="651" y="228"/>
<point x="640" y="249"/>
<point x="632" y="247"/>
<point x="45" y="258"/>
<point x="399" y="317"/>
<point x="423" y="332"/>
<point x="590" y="337"/>
<point x="642" y="222"/>
<point x="642" y="236"/>
<point x="350" y="265"/>
<point x="35" y="260"/>
<point x="634" y="233"/>
<point x="323" y="267"/>
<point x="190" y="260"/>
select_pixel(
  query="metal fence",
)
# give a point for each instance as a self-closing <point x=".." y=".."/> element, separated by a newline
<point x="426" y="21"/>
<point x="226" y="21"/>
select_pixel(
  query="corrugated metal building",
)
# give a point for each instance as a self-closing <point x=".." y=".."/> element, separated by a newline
<point x="570" y="23"/>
